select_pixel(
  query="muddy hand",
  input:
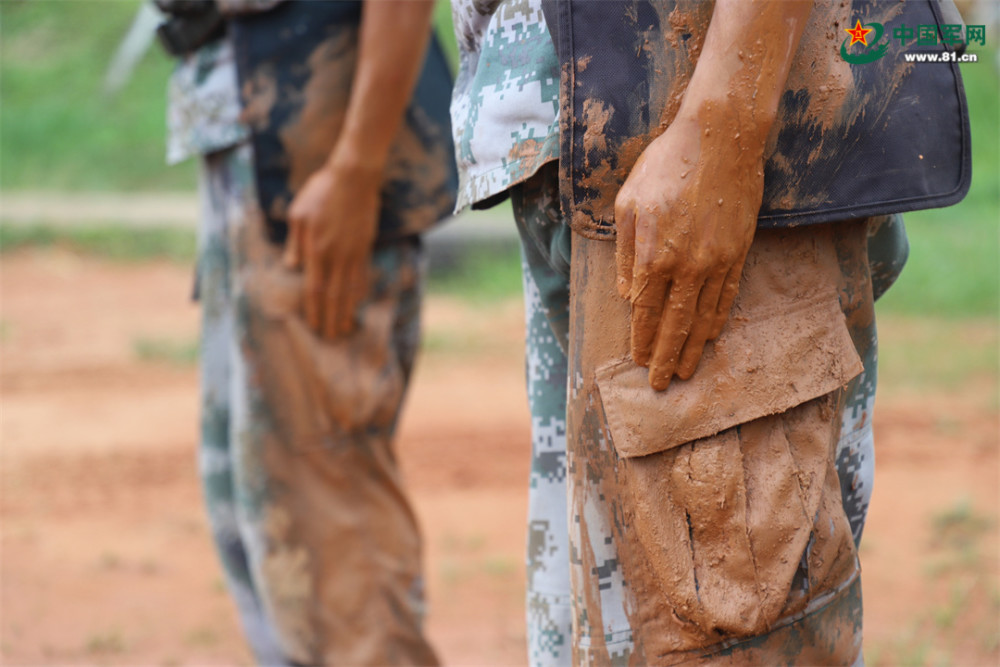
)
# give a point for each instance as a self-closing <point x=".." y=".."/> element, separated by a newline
<point x="685" y="219"/>
<point x="332" y="225"/>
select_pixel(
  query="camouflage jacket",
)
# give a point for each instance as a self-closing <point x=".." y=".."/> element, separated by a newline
<point x="203" y="101"/>
<point x="505" y="105"/>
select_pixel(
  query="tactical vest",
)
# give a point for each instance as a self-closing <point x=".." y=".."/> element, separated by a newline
<point x="295" y="65"/>
<point x="852" y="139"/>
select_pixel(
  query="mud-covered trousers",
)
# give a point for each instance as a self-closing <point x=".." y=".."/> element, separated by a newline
<point x="318" y="542"/>
<point x="588" y="600"/>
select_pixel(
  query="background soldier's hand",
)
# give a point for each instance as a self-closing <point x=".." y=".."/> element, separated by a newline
<point x="332" y="225"/>
<point x="685" y="217"/>
<point x="334" y="217"/>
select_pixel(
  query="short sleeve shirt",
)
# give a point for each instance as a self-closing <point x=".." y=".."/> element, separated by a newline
<point x="505" y="105"/>
<point x="203" y="107"/>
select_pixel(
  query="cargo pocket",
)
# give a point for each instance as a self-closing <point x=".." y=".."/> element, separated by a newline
<point x="353" y="381"/>
<point x="319" y="391"/>
<point x="729" y="483"/>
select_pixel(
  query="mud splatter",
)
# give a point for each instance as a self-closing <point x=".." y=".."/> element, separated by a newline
<point x="717" y="527"/>
<point x="309" y="138"/>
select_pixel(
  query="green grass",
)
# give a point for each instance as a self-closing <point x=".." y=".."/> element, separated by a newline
<point x="58" y="131"/>
<point x="171" y="352"/>
<point x="954" y="265"/>
<point x="446" y="31"/>
<point x="106" y="643"/>
<point x="482" y="276"/>
<point x="115" y="242"/>
<point x="919" y="353"/>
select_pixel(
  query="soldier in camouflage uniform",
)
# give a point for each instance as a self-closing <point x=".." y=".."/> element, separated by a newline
<point x="318" y="541"/>
<point x="581" y="606"/>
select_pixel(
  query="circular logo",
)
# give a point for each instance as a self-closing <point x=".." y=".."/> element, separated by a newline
<point x="866" y="38"/>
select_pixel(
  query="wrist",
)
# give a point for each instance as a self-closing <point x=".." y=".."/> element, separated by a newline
<point x="727" y="122"/>
<point x="356" y="171"/>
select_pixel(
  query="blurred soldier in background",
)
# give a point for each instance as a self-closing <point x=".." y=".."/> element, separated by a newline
<point x="316" y="186"/>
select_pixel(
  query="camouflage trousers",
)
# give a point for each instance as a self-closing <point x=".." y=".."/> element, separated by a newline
<point x="319" y="544"/>
<point x="617" y="529"/>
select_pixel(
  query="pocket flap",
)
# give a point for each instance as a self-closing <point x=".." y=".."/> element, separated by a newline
<point x="757" y="367"/>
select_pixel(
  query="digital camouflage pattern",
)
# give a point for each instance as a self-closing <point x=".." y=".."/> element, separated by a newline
<point x="319" y="544"/>
<point x="545" y="270"/>
<point x="505" y="106"/>
<point x="604" y="627"/>
<point x="203" y="104"/>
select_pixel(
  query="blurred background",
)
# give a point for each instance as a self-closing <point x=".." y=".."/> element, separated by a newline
<point x="105" y="556"/>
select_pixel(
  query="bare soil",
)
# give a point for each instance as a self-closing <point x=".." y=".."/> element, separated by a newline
<point x="105" y="556"/>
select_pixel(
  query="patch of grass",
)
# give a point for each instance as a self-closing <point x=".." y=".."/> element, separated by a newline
<point x="202" y="637"/>
<point x="58" y="130"/>
<point x="105" y="643"/>
<point x="115" y="242"/>
<point x="499" y="566"/>
<point x="960" y="525"/>
<point x="484" y="276"/>
<point x="933" y="352"/>
<point x="446" y="32"/>
<point x="906" y="650"/>
<point x="954" y="265"/>
<point x="175" y="353"/>
<point x="945" y="616"/>
<point x="453" y="343"/>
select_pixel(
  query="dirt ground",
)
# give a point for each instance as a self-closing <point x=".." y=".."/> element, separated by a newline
<point x="105" y="552"/>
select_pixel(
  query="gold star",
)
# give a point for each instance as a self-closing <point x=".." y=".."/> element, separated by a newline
<point x="858" y="34"/>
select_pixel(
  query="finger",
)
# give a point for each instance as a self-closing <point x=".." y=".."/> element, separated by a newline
<point x="675" y="325"/>
<point x="357" y="289"/>
<point x="292" y="256"/>
<point x="625" y="248"/>
<point x="702" y="326"/>
<point x="314" y="293"/>
<point x="333" y="301"/>
<point x="730" y="287"/>
<point x="648" y="294"/>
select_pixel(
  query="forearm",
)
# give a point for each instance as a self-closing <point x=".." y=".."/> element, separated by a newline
<point x="744" y="64"/>
<point x="687" y="213"/>
<point x="392" y="42"/>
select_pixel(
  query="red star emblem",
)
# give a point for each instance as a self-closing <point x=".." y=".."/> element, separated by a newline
<point x="858" y="34"/>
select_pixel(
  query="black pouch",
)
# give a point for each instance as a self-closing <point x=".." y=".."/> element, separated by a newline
<point x="852" y="139"/>
<point x="192" y="24"/>
<point x="295" y="65"/>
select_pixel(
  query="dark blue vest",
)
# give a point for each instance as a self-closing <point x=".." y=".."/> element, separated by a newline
<point x="300" y="57"/>
<point x="852" y="139"/>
